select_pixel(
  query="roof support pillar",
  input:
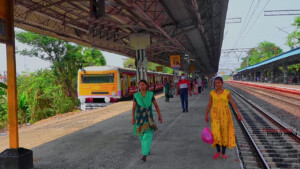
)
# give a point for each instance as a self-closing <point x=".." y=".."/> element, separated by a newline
<point x="140" y="41"/>
<point x="185" y="66"/>
<point x="14" y="157"/>
<point x="248" y="76"/>
<point x="263" y="74"/>
<point x="176" y="75"/>
<point x="285" y="75"/>
<point x="272" y="74"/>
<point x="141" y="64"/>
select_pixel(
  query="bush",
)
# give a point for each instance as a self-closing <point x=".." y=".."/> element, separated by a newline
<point x="3" y="106"/>
<point x="44" y="97"/>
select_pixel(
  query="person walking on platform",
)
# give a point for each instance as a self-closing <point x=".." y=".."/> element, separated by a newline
<point x="221" y="119"/>
<point x="167" y="90"/>
<point x="195" y="87"/>
<point x="141" y="109"/>
<point x="199" y="81"/>
<point x="203" y="84"/>
<point x="183" y="87"/>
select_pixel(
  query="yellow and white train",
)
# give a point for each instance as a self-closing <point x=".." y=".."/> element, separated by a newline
<point x="112" y="83"/>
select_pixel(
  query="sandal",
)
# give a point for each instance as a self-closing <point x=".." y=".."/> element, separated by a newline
<point x="216" y="155"/>
<point x="144" y="158"/>
<point x="224" y="156"/>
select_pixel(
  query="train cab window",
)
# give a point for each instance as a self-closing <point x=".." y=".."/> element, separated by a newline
<point x="132" y="81"/>
<point x="97" y="78"/>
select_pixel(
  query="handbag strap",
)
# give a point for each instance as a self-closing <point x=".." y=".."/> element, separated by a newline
<point x="208" y="121"/>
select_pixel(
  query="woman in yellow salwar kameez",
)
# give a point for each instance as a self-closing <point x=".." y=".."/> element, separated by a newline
<point x="221" y="119"/>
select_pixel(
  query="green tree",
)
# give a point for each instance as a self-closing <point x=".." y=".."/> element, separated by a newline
<point x="293" y="39"/>
<point x="3" y="105"/>
<point x="265" y="50"/>
<point x="130" y="63"/>
<point x="66" y="58"/>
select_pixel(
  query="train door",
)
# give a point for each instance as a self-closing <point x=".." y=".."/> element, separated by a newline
<point x="125" y="85"/>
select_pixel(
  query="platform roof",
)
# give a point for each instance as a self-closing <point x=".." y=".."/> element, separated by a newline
<point x="186" y="27"/>
<point x="287" y="58"/>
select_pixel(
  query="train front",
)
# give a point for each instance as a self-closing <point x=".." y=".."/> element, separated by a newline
<point x="98" y="84"/>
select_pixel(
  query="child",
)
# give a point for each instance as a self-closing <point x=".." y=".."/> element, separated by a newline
<point x="221" y="120"/>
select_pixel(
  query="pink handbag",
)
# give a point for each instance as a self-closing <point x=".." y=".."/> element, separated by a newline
<point x="206" y="135"/>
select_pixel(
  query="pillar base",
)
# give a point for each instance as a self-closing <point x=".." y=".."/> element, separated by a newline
<point x="20" y="158"/>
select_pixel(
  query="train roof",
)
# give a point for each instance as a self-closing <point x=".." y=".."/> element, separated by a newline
<point x="107" y="67"/>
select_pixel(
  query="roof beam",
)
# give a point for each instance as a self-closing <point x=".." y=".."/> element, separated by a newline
<point x="174" y="41"/>
<point x="39" y="8"/>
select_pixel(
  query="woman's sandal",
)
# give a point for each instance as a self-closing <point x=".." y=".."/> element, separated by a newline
<point x="216" y="155"/>
<point x="144" y="158"/>
<point x="224" y="156"/>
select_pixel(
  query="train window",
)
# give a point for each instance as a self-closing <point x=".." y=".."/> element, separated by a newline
<point x="151" y="80"/>
<point x="97" y="78"/>
<point x="132" y="81"/>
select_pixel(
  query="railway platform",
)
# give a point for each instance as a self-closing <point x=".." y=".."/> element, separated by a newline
<point x="295" y="89"/>
<point x="110" y="144"/>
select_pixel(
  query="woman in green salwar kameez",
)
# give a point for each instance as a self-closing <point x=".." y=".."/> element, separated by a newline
<point x="142" y="101"/>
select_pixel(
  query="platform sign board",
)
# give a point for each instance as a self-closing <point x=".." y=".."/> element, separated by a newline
<point x="159" y="68"/>
<point x="175" y="61"/>
<point x="3" y="21"/>
<point x="192" y="69"/>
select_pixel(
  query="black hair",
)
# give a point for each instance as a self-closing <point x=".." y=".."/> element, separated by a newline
<point x="219" y="78"/>
<point x="143" y="81"/>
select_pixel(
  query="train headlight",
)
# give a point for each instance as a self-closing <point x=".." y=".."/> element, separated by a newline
<point x="113" y="93"/>
<point x="107" y="99"/>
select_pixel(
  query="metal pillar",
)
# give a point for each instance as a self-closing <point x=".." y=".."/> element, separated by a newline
<point x="175" y="78"/>
<point x="186" y="69"/>
<point x="140" y="41"/>
<point x="272" y="75"/>
<point x="262" y="75"/>
<point x="142" y="63"/>
<point x="193" y="76"/>
<point x="176" y="75"/>
<point x="285" y="75"/>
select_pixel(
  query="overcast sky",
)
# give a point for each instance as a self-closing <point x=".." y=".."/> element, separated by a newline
<point x="260" y="28"/>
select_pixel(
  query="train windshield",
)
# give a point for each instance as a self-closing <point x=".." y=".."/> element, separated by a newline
<point x="97" y="78"/>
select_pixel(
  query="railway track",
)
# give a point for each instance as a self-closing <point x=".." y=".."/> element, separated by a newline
<point x="290" y="99"/>
<point x="264" y="141"/>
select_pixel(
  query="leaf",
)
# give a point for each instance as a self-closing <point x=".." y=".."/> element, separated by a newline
<point x="2" y="85"/>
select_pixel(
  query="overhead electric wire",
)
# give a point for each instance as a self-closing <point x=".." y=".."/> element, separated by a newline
<point x="255" y="21"/>
<point x="247" y="22"/>
<point x="243" y="24"/>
